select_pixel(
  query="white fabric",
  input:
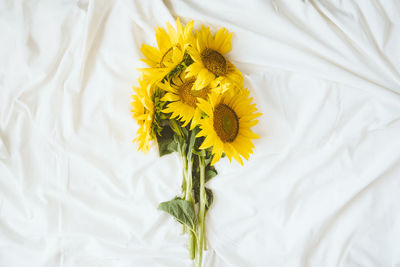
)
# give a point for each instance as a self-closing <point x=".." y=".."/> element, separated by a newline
<point x="321" y="189"/>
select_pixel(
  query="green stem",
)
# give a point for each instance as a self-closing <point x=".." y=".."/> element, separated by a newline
<point x="202" y="213"/>
<point x="189" y="197"/>
<point x="181" y="152"/>
<point x="184" y="165"/>
<point x="189" y="193"/>
<point x="184" y="174"/>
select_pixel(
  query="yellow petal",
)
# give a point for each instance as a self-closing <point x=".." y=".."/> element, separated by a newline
<point x="205" y="106"/>
<point x="151" y="53"/>
<point x="170" y="97"/>
<point x="208" y="142"/>
<point x="172" y="34"/>
<point x="216" y="158"/>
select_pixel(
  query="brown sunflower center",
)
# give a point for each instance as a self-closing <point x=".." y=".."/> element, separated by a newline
<point x="226" y="123"/>
<point x="189" y="96"/>
<point x="214" y="61"/>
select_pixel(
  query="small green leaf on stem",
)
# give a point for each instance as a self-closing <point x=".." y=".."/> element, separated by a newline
<point x="210" y="198"/>
<point x="181" y="210"/>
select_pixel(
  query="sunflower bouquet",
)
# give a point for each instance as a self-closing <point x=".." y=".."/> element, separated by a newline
<point x="191" y="101"/>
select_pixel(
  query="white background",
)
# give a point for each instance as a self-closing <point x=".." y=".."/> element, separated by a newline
<point x="322" y="188"/>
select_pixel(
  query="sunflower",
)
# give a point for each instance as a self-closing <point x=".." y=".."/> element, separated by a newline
<point x="184" y="100"/>
<point x="210" y="63"/>
<point x="143" y="112"/>
<point x="170" y="52"/>
<point x="226" y="127"/>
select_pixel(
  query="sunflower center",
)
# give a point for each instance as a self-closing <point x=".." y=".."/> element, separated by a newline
<point x="214" y="61"/>
<point x="189" y="96"/>
<point x="226" y="123"/>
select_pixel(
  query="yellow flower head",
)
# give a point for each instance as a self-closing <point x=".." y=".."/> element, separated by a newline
<point x="226" y="127"/>
<point x="210" y="63"/>
<point x="171" y="49"/>
<point x="143" y="112"/>
<point x="184" y="100"/>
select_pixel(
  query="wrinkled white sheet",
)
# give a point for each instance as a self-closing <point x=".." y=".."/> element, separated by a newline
<point x="322" y="188"/>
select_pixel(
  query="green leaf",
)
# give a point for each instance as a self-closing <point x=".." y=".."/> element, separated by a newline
<point x="166" y="142"/>
<point x="181" y="210"/>
<point x="210" y="198"/>
<point x="210" y="172"/>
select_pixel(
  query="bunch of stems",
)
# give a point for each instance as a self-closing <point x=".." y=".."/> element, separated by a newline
<point x="197" y="236"/>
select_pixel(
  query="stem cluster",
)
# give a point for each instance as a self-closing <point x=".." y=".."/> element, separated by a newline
<point x="197" y="236"/>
